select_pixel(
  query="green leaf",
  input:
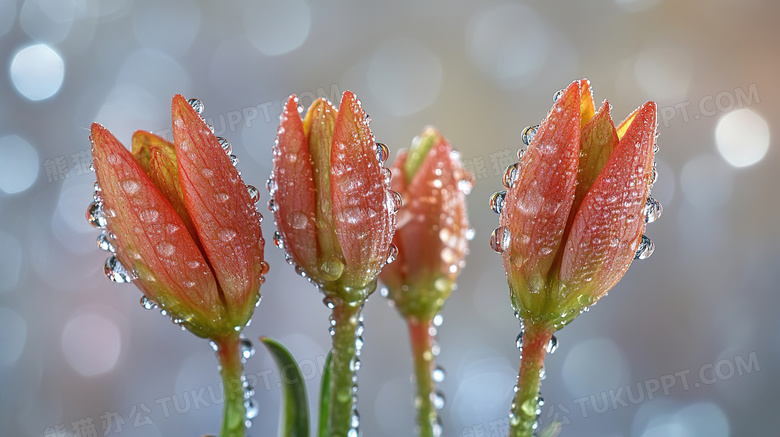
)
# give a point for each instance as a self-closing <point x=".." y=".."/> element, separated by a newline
<point x="325" y="397"/>
<point x="551" y="431"/>
<point x="294" y="421"/>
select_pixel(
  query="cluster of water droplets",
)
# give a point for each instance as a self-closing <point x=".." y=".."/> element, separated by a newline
<point x="550" y="347"/>
<point x="97" y="217"/>
<point x="653" y="210"/>
<point x="247" y="350"/>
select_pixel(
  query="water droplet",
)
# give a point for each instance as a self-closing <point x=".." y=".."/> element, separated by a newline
<point x="130" y="186"/>
<point x="149" y="215"/>
<point x="470" y="232"/>
<point x="251" y="409"/>
<point x="500" y="239"/>
<point x="497" y="201"/>
<point x="328" y="302"/>
<point x="227" y="234"/>
<point x="95" y="215"/>
<point x="234" y="160"/>
<point x="465" y="186"/>
<point x="394" y="201"/>
<point x="511" y="174"/>
<point x="384" y="292"/>
<point x="352" y="433"/>
<point x="654" y="175"/>
<point x="382" y="152"/>
<point x="645" y="249"/>
<point x="271" y="186"/>
<point x="653" y="209"/>
<point x="542" y="373"/>
<point x="387" y="175"/>
<point x="225" y="144"/>
<point x="104" y="243"/>
<point x="552" y="345"/>
<point x="529" y="133"/>
<point x="392" y="253"/>
<point x="264" y="267"/>
<point x="520" y="154"/>
<point x="116" y="272"/>
<point x="300" y="271"/>
<point x="147" y="303"/>
<point x="197" y="105"/>
<point x="354" y="364"/>
<point x="278" y="240"/>
<point x="247" y="349"/>
<point x="439" y="374"/>
<point x="557" y="95"/>
<point x="438" y="319"/>
<point x="272" y="205"/>
<point x="519" y="341"/>
<point x="354" y="421"/>
<point x="254" y="193"/>
<point x="438" y="400"/>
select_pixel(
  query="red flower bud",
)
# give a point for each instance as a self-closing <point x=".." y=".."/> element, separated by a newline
<point x="433" y="229"/>
<point x="333" y="208"/>
<point x="574" y="215"/>
<point x="182" y="222"/>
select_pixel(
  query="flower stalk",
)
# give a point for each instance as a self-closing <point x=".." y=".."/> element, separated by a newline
<point x="420" y="334"/>
<point x="525" y="405"/>
<point x="344" y="365"/>
<point x="232" y="372"/>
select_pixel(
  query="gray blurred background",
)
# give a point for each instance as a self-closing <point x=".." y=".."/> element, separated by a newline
<point x="686" y="345"/>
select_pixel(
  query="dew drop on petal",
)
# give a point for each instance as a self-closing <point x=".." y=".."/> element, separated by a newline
<point x="465" y="186"/>
<point x="129" y="186"/>
<point x="254" y="193"/>
<point x="116" y="272"/>
<point x="104" y="243"/>
<point x="227" y="234"/>
<point x="147" y="303"/>
<point x="394" y="201"/>
<point x="500" y="239"/>
<point x="528" y="134"/>
<point x="272" y="205"/>
<point x="645" y="249"/>
<point x="271" y="185"/>
<point x="278" y="240"/>
<point x="497" y="201"/>
<point x="511" y="174"/>
<point x="392" y="253"/>
<point x="382" y="152"/>
<point x="653" y="209"/>
<point x="197" y="105"/>
<point x="95" y="215"/>
<point x="225" y="144"/>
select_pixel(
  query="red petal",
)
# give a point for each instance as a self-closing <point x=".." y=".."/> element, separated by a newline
<point x="364" y="224"/>
<point x="223" y="213"/>
<point x="597" y="141"/>
<point x="537" y="206"/>
<point x="295" y="197"/>
<point x="434" y="238"/>
<point x="609" y="225"/>
<point x="151" y="237"/>
<point x="587" y="107"/>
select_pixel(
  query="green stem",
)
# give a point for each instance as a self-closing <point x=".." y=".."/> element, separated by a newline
<point x="234" y="416"/>
<point x="343" y="366"/>
<point x="424" y="364"/>
<point x="523" y="414"/>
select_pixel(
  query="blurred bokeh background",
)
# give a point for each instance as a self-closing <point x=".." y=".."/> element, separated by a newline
<point x="687" y="345"/>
